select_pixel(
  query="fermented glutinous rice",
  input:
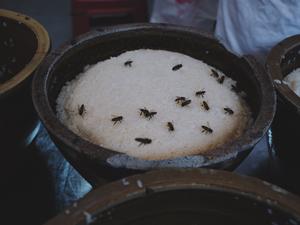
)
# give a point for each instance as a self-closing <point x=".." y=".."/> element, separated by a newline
<point x="293" y="80"/>
<point x="109" y="89"/>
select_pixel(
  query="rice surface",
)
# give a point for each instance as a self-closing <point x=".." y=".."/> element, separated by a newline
<point x="152" y="80"/>
<point x="293" y="81"/>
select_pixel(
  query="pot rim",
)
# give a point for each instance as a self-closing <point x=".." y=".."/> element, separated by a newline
<point x="273" y="63"/>
<point x="70" y="139"/>
<point x="138" y="186"/>
<point x="43" y="46"/>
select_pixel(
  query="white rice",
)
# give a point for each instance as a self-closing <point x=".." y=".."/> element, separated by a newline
<point x="109" y="89"/>
<point x="293" y="81"/>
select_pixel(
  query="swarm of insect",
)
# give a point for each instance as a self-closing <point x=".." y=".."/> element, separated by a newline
<point x="128" y="63"/>
<point x="177" y="67"/>
<point x="81" y="110"/>
<point x="200" y="94"/>
<point x="205" y="105"/>
<point x="206" y="129"/>
<point x="117" y="119"/>
<point x="147" y="114"/>
<point x="170" y="126"/>
<point x="228" y="111"/>
<point x="143" y="141"/>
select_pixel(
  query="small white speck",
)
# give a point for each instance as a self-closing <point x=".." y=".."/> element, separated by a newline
<point x="13" y="60"/>
<point x="125" y="182"/>
<point x="75" y="204"/>
<point x="271" y="202"/>
<point x="139" y="183"/>
<point x="284" y="82"/>
<point x="67" y="211"/>
<point x="88" y="218"/>
<point x="4" y="24"/>
<point x="11" y="42"/>
<point x="277" y="81"/>
<point x="279" y="189"/>
<point x="270" y="211"/>
<point x="206" y="52"/>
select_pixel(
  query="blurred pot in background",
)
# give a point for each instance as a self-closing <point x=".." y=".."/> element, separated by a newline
<point x="282" y="60"/>
<point x="23" y="45"/>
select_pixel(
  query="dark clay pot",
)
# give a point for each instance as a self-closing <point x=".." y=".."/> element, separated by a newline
<point x="96" y="163"/>
<point x="189" y="197"/>
<point x="23" y="45"/>
<point x="283" y="59"/>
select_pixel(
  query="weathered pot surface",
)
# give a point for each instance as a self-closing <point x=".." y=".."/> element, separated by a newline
<point x="199" y="196"/>
<point x="94" y="162"/>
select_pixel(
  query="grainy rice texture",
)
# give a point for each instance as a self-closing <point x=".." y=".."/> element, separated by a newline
<point x="110" y="89"/>
<point x="293" y="81"/>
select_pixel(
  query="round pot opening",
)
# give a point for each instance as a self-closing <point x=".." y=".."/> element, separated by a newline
<point x="185" y="197"/>
<point x="64" y="64"/>
<point x="189" y="206"/>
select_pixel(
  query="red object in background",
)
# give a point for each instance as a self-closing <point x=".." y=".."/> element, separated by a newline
<point x="90" y="14"/>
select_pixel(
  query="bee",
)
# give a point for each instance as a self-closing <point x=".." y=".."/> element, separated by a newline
<point x="117" y="119"/>
<point x="205" y="105"/>
<point x="200" y="94"/>
<point x="146" y="113"/>
<point x="214" y="73"/>
<point x="206" y="129"/>
<point x="185" y="103"/>
<point x="128" y="63"/>
<point x="221" y="79"/>
<point x="81" y="110"/>
<point x="177" y="67"/>
<point x="143" y="141"/>
<point x="170" y="126"/>
<point x="179" y="99"/>
<point x="228" y="111"/>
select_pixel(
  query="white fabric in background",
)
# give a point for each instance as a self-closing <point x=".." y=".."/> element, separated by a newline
<point x="196" y="13"/>
<point x="255" y="26"/>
